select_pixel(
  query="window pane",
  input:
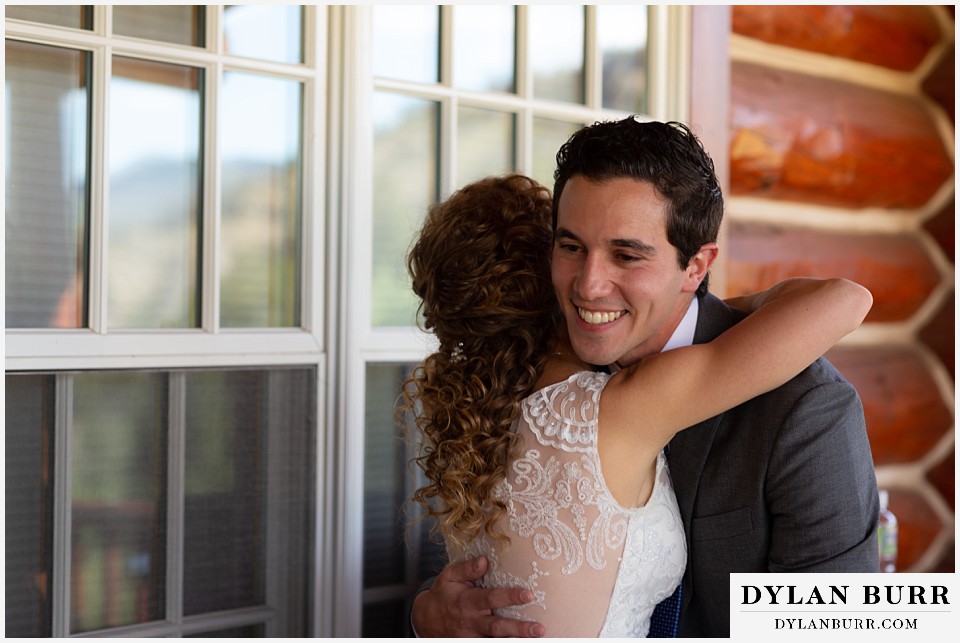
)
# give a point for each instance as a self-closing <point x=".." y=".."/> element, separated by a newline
<point x="406" y="39"/>
<point x="75" y="16"/>
<point x="557" y="52"/>
<point x="224" y="518"/>
<point x="47" y="95"/>
<point x="405" y="183"/>
<point x="386" y="483"/>
<point x="249" y="480"/>
<point x="398" y="553"/>
<point x="260" y="229"/>
<point x="154" y="195"/>
<point x="119" y="458"/>
<point x="622" y="36"/>
<point x="484" y="49"/>
<point x="177" y="24"/>
<point x="548" y="136"/>
<point x="28" y="505"/>
<point x="267" y="32"/>
<point x="485" y="143"/>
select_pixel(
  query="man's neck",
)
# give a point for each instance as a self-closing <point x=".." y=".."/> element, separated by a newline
<point x="682" y="335"/>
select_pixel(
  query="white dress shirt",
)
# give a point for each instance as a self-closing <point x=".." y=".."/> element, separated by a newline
<point x="683" y="335"/>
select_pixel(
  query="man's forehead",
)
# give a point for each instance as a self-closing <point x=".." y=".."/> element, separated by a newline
<point x="621" y="221"/>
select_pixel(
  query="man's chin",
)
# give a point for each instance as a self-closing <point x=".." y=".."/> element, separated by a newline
<point x="596" y="355"/>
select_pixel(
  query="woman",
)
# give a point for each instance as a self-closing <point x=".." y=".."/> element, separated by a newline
<point x="551" y="470"/>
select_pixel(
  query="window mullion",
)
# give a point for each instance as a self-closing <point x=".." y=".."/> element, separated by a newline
<point x="98" y="251"/>
<point x="209" y="224"/>
<point x="213" y="25"/>
<point x="524" y="69"/>
<point x="447" y="147"/>
<point x="100" y="176"/>
<point x="102" y="19"/>
<point x="592" y="61"/>
<point x="275" y="585"/>
<point x="678" y="93"/>
<point x="355" y="118"/>
<point x="60" y="583"/>
<point x="314" y="189"/>
<point x="524" y="141"/>
<point x="212" y="202"/>
<point x="176" y="493"/>
<point x="668" y="63"/>
<point x="524" y="75"/>
<point x="331" y="396"/>
<point x="447" y="136"/>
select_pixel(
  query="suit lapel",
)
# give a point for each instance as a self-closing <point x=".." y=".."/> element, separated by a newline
<point x="688" y="454"/>
<point x="690" y="447"/>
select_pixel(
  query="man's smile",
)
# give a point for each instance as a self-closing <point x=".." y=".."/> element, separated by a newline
<point x="598" y="317"/>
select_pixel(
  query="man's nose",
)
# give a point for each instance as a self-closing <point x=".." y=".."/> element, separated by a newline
<point x="593" y="278"/>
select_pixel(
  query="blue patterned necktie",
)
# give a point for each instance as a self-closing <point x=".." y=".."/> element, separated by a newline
<point x="665" y="620"/>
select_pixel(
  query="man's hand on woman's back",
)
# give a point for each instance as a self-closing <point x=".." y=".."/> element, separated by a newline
<point x="455" y="607"/>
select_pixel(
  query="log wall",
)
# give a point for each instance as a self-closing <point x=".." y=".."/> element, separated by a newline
<point x="842" y="164"/>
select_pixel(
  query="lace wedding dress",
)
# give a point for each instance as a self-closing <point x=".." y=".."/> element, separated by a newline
<point x="596" y="568"/>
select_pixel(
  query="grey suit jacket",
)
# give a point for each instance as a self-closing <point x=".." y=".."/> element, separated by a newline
<point x="782" y="483"/>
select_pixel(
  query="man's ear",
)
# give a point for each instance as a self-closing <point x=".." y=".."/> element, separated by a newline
<point x="699" y="266"/>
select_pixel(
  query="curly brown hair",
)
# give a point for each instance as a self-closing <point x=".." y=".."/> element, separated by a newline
<point x="481" y="267"/>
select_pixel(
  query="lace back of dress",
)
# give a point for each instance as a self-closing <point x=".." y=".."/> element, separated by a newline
<point x="566" y="534"/>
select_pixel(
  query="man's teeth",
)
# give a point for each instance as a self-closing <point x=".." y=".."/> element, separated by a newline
<point x="598" y="317"/>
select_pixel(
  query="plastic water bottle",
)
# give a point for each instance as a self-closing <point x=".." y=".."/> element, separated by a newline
<point x="887" y="535"/>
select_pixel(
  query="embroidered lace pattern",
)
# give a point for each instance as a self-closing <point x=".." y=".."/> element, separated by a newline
<point x="595" y="568"/>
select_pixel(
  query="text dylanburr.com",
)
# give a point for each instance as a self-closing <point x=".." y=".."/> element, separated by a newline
<point x="905" y="606"/>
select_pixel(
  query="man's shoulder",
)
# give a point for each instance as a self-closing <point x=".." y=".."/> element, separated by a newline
<point x="713" y="317"/>
<point x="716" y="316"/>
<point x="820" y="374"/>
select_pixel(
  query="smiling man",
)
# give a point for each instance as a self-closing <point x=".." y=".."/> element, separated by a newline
<point x="620" y="283"/>
<point x="782" y="483"/>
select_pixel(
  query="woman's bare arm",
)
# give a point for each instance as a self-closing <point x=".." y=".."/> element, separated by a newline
<point x="753" y="301"/>
<point x="793" y="324"/>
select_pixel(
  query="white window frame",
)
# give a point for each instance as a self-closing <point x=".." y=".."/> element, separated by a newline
<point x="360" y="343"/>
<point x="96" y="347"/>
<point x="335" y="334"/>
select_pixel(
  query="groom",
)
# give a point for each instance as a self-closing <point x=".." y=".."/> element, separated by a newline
<point x="782" y="483"/>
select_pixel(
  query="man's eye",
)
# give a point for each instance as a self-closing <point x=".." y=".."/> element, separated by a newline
<point x="569" y="247"/>
<point x="628" y="258"/>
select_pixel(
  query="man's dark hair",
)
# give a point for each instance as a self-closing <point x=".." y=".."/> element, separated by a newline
<point x="669" y="156"/>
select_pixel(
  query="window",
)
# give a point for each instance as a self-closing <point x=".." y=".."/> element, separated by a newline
<point x="163" y="502"/>
<point x="458" y="93"/>
<point x="165" y="350"/>
<point x="208" y="316"/>
<point x="48" y="103"/>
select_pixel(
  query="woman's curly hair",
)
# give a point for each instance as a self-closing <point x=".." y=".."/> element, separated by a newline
<point x="481" y="267"/>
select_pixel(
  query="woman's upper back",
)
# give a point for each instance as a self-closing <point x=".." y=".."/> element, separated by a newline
<point x="571" y="542"/>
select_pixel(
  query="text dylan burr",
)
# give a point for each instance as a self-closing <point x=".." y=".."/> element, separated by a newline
<point x="837" y="595"/>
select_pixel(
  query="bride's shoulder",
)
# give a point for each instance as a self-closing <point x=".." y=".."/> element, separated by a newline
<point x="564" y="414"/>
<point x="579" y="390"/>
<point x="585" y="380"/>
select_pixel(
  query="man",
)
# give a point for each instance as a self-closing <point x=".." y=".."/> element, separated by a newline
<point x="782" y="483"/>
